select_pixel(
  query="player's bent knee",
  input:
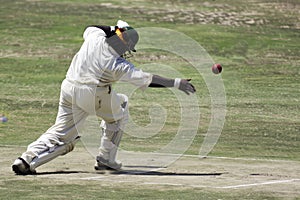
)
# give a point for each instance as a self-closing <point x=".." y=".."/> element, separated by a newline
<point x="124" y="100"/>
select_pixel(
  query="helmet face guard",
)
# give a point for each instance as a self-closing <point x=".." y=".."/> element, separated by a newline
<point x="124" y="41"/>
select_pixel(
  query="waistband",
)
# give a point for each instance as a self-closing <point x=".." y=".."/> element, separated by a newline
<point x="87" y="84"/>
<point x="90" y="85"/>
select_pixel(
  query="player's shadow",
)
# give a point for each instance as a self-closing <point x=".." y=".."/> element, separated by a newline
<point x="59" y="172"/>
<point x="134" y="171"/>
<point x="156" y="173"/>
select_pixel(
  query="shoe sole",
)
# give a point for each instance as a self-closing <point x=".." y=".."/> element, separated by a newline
<point x="104" y="165"/>
<point x="103" y="168"/>
<point x="17" y="171"/>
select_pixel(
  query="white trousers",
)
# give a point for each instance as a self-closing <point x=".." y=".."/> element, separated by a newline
<point x="75" y="104"/>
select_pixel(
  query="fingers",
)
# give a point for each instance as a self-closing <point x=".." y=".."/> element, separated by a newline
<point x="186" y="86"/>
<point x="190" y="88"/>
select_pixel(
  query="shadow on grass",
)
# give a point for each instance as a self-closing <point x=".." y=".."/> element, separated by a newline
<point x="133" y="170"/>
<point x="130" y="172"/>
<point x="59" y="172"/>
<point x="155" y="173"/>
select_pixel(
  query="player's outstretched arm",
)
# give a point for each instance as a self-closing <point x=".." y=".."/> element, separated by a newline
<point x="181" y="84"/>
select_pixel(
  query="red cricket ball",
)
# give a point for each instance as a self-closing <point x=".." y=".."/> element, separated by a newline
<point x="216" y="68"/>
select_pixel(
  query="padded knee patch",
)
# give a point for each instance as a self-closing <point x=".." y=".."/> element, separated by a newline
<point x="111" y="132"/>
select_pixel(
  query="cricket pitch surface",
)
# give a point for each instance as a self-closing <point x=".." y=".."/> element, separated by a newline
<point x="189" y="171"/>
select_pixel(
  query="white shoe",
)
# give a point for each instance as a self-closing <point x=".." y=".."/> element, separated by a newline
<point x="20" y="167"/>
<point x="103" y="164"/>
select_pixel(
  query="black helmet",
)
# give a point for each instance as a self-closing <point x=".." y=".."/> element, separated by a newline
<point x="124" y="40"/>
<point x="128" y="36"/>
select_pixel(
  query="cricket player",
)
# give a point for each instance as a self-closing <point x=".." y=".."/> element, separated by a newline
<point x="87" y="90"/>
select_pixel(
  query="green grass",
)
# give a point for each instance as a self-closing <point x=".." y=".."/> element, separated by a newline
<point x="261" y="75"/>
<point x="62" y="190"/>
<point x="261" y="78"/>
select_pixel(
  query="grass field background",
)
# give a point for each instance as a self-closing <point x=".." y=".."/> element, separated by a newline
<point x="257" y="43"/>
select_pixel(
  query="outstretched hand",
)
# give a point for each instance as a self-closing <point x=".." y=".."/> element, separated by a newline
<point x="186" y="86"/>
<point x="181" y="84"/>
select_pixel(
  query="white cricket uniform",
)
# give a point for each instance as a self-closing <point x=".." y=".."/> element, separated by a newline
<point x="86" y="90"/>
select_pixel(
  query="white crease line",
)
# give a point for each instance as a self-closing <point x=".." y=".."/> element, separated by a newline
<point x="198" y="186"/>
<point x="258" y="184"/>
<point x="92" y="178"/>
<point x="169" y="184"/>
<point x="186" y="155"/>
<point x="251" y="159"/>
<point x="214" y="157"/>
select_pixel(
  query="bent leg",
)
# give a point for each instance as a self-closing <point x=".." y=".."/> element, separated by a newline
<point x="58" y="140"/>
<point x="112" y="132"/>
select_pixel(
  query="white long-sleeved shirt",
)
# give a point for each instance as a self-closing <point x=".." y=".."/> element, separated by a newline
<point x="96" y="63"/>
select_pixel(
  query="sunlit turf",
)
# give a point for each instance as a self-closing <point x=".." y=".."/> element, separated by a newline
<point x="260" y="73"/>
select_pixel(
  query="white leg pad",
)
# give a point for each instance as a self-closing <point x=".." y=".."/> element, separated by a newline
<point x="111" y="137"/>
<point x="52" y="153"/>
<point x="110" y="142"/>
